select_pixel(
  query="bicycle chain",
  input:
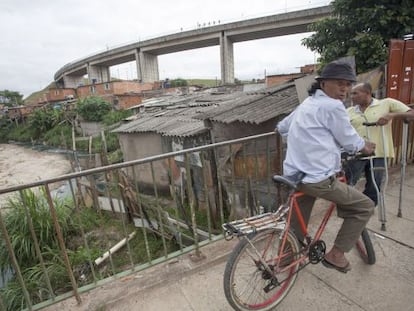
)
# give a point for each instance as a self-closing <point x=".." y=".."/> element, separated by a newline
<point x="316" y="251"/>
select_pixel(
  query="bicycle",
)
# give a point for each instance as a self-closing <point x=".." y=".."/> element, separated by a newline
<point x="264" y="264"/>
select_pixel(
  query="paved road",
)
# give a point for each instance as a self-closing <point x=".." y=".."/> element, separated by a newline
<point x="187" y="284"/>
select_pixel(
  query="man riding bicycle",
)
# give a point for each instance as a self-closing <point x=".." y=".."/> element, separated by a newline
<point x="317" y="131"/>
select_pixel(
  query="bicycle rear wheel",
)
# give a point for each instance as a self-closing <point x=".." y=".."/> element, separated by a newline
<point x="248" y="285"/>
<point x="365" y="248"/>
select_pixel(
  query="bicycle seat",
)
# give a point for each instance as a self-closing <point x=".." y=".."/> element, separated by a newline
<point x="292" y="181"/>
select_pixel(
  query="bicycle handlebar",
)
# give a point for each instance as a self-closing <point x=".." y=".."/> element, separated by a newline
<point x="370" y="123"/>
<point x="345" y="156"/>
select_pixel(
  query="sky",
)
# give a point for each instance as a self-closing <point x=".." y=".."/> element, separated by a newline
<point x="41" y="36"/>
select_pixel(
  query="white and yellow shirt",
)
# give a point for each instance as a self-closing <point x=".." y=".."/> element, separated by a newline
<point x="372" y="113"/>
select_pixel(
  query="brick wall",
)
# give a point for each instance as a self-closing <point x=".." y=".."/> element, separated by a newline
<point x="55" y="94"/>
<point x="127" y="101"/>
<point x="279" y="79"/>
<point x="113" y="88"/>
<point x="122" y="87"/>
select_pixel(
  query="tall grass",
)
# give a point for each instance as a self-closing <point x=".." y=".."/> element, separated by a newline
<point x="17" y="224"/>
<point x="101" y="231"/>
<point x="30" y="207"/>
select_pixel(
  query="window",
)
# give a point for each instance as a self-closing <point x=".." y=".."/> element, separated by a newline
<point x="107" y="87"/>
<point x="92" y="89"/>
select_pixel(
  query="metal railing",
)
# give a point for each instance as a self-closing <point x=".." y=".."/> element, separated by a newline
<point x="162" y="206"/>
<point x="99" y="219"/>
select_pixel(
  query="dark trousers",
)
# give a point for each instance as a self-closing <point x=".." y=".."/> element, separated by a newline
<point x="353" y="206"/>
<point x="355" y="168"/>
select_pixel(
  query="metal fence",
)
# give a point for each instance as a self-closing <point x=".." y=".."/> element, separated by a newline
<point x="67" y="235"/>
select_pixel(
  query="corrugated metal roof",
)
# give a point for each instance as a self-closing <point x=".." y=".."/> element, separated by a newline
<point x="174" y="121"/>
<point x="219" y="97"/>
<point x="165" y="125"/>
<point x="181" y="119"/>
<point x="256" y="108"/>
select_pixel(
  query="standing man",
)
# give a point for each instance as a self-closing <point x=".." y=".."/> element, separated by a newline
<point x="316" y="131"/>
<point x="368" y="109"/>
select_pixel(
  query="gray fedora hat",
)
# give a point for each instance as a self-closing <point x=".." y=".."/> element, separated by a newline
<point x="337" y="70"/>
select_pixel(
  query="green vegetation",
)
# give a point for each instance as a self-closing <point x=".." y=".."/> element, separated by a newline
<point x="18" y="228"/>
<point x="59" y="136"/>
<point x="178" y="82"/>
<point x="204" y="82"/>
<point x="113" y="117"/>
<point x="361" y="29"/>
<point x="32" y="98"/>
<point x="93" y="108"/>
<point x="22" y="132"/>
<point x="53" y="127"/>
<point x="5" y="128"/>
<point x="11" y="98"/>
<point x="102" y="231"/>
<point x="43" y="120"/>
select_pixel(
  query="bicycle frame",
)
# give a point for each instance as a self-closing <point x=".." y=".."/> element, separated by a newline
<point x="294" y="208"/>
<point x="264" y="265"/>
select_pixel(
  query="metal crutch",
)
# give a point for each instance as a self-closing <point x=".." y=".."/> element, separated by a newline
<point x="380" y="193"/>
<point x="403" y="163"/>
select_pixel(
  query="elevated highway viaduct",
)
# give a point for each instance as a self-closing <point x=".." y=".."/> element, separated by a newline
<point x="145" y="53"/>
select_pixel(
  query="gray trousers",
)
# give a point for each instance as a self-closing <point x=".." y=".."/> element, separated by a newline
<point x="352" y="205"/>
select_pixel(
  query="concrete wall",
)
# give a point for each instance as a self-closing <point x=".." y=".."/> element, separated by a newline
<point x="140" y="145"/>
<point x="226" y="60"/>
<point x="91" y="128"/>
<point x="72" y="81"/>
<point x="98" y="74"/>
<point x="303" y="85"/>
<point x="147" y="67"/>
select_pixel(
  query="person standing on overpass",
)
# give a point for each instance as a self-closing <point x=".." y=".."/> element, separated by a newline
<point x="365" y="108"/>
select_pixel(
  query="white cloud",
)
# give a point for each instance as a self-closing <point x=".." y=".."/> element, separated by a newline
<point x="39" y="37"/>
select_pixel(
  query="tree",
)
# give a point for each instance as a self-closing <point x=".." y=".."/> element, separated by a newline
<point x="362" y="29"/>
<point x="43" y="120"/>
<point x="11" y="98"/>
<point x="93" y="108"/>
<point x="178" y="82"/>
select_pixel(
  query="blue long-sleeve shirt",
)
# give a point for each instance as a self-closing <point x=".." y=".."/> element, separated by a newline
<point x="316" y="131"/>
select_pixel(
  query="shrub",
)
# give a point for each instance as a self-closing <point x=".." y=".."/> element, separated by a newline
<point x="93" y="108"/>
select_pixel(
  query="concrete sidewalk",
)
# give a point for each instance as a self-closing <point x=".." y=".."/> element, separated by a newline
<point x="185" y="284"/>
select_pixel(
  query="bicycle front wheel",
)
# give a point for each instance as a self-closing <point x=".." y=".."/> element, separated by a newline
<point x="365" y="248"/>
<point x="248" y="284"/>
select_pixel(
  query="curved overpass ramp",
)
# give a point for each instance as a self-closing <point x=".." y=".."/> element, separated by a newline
<point x="145" y="53"/>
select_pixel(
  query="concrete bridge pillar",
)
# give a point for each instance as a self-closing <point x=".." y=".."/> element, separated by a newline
<point x="72" y="81"/>
<point x="226" y="59"/>
<point x="98" y="74"/>
<point x="147" y="66"/>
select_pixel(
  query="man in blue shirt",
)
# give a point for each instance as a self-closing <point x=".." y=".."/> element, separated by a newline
<point x="316" y="131"/>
